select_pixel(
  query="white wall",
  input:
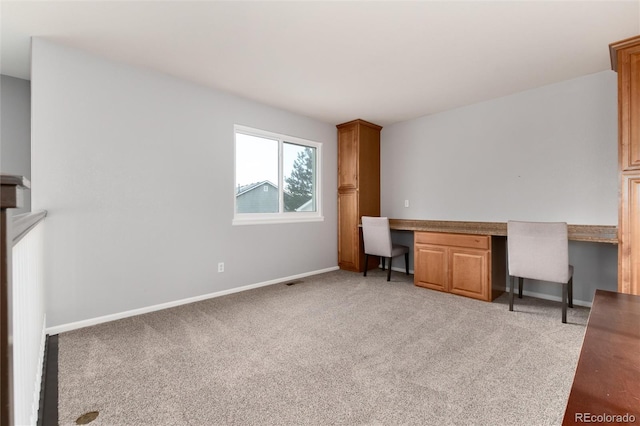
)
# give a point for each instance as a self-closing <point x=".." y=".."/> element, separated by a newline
<point x="15" y="131"/>
<point x="543" y="154"/>
<point x="548" y="154"/>
<point x="136" y="171"/>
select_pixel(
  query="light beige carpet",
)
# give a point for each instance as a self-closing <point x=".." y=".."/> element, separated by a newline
<point x="336" y="348"/>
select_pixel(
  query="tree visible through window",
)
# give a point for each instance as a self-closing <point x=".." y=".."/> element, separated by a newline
<point x="300" y="183"/>
<point x="276" y="178"/>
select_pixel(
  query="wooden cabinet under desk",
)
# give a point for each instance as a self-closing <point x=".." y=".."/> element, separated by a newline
<point x="464" y="264"/>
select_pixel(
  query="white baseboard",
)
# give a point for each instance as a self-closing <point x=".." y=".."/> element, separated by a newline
<point x="399" y="269"/>
<point x="548" y="297"/>
<point x="112" y="317"/>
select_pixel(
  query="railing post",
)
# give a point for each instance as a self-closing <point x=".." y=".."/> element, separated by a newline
<point x="10" y="197"/>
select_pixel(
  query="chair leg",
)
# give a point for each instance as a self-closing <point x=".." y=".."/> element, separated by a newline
<point x="511" y="293"/>
<point x="389" y="272"/>
<point x="520" y="281"/>
<point x="406" y="263"/>
<point x="571" y="292"/>
<point x="366" y="263"/>
<point x="565" y="291"/>
<point x="383" y="260"/>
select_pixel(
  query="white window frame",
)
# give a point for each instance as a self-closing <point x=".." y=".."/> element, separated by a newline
<point x="281" y="216"/>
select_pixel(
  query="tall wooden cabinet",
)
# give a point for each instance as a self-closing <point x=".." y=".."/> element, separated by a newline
<point x="625" y="59"/>
<point x="358" y="188"/>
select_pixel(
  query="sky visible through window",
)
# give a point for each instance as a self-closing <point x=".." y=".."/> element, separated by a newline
<point x="257" y="159"/>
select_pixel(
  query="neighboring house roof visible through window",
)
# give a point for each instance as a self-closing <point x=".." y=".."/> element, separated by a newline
<point x="259" y="197"/>
<point x="246" y="188"/>
<point x="306" y="207"/>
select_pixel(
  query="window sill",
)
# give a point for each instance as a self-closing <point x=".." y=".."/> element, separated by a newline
<point x="275" y="220"/>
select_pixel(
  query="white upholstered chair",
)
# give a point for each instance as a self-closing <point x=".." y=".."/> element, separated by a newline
<point x="540" y="251"/>
<point x="377" y="242"/>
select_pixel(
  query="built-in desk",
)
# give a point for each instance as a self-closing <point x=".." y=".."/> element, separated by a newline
<point x="607" y="378"/>
<point x="589" y="233"/>
<point x="469" y="258"/>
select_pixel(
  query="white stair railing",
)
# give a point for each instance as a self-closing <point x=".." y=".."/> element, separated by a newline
<point x="22" y="306"/>
<point x="29" y="324"/>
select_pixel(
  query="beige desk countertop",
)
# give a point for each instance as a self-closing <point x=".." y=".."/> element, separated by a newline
<point x="589" y="233"/>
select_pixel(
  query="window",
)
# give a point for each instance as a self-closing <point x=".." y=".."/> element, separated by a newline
<point x="277" y="178"/>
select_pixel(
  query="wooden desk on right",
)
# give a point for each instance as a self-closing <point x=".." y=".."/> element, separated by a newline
<point x="607" y="379"/>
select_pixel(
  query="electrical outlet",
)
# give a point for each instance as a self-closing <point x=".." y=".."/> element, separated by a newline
<point x="221" y="267"/>
<point x="406" y="203"/>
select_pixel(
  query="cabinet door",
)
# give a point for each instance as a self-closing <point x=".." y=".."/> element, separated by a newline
<point x="469" y="273"/>
<point x="348" y="232"/>
<point x="348" y="157"/>
<point x="368" y="178"/>
<point x="629" y="105"/>
<point x="430" y="269"/>
<point x="629" y="234"/>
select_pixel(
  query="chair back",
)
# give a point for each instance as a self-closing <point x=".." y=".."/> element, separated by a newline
<point x="538" y="250"/>
<point x="377" y="236"/>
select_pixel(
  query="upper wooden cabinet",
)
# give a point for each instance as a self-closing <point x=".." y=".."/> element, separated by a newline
<point x="625" y="59"/>
<point x="359" y="158"/>
<point x="347" y="157"/>
<point x="358" y="188"/>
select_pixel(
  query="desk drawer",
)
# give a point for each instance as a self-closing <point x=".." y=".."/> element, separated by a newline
<point x="456" y="240"/>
